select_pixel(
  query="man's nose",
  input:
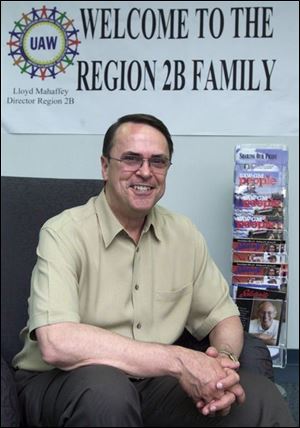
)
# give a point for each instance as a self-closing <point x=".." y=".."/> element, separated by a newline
<point x="145" y="168"/>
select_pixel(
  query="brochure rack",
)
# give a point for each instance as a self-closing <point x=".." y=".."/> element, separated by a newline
<point x="259" y="246"/>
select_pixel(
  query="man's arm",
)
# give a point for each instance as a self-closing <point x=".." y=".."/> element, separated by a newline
<point x="269" y="340"/>
<point x="228" y="335"/>
<point x="71" y="345"/>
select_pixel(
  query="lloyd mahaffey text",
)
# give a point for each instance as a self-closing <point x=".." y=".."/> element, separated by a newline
<point x="41" y="96"/>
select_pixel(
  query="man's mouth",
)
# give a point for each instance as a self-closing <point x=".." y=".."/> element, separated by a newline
<point x="141" y="188"/>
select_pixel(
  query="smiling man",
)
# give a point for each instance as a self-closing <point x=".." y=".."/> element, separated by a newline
<point x="265" y="326"/>
<point x="116" y="282"/>
<point x="135" y="171"/>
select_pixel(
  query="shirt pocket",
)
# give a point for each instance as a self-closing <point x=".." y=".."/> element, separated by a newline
<point x="174" y="295"/>
<point x="171" y="310"/>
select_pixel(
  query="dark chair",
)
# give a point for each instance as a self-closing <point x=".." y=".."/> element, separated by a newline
<point x="26" y="203"/>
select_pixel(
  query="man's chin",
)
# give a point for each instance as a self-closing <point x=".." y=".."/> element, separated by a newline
<point x="143" y="203"/>
<point x="265" y="327"/>
<point x="142" y="208"/>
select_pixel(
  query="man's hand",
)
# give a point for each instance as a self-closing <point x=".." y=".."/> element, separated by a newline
<point x="233" y="391"/>
<point x="204" y="379"/>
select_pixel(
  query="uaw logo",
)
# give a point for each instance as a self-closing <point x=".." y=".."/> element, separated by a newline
<point x="43" y="43"/>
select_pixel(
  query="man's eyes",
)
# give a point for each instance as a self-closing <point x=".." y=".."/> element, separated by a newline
<point x="131" y="158"/>
<point x="159" y="161"/>
<point x="154" y="160"/>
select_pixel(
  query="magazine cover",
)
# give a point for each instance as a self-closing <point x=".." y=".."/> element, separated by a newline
<point x="257" y="222"/>
<point x="264" y="234"/>
<point x="261" y="155"/>
<point x="244" y="292"/>
<point x="262" y="318"/>
<point x="252" y="202"/>
<point x="259" y="182"/>
<point x="250" y="245"/>
<point x="265" y="257"/>
<point x="259" y="282"/>
<point x="260" y="269"/>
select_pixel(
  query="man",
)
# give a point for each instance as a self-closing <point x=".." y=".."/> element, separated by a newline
<point x="116" y="282"/>
<point x="265" y="326"/>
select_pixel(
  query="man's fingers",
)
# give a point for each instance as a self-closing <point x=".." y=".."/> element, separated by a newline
<point x="230" y="380"/>
<point x="223" y="405"/>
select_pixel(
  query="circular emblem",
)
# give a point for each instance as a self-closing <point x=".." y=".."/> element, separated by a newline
<point x="43" y="43"/>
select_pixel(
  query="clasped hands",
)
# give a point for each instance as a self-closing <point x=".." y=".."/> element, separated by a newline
<point x="211" y="380"/>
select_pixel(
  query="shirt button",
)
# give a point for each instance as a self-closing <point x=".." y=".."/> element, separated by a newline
<point x="139" y="325"/>
<point x="136" y="286"/>
<point x="137" y="249"/>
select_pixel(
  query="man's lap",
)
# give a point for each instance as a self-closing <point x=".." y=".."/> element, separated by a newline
<point x="160" y="401"/>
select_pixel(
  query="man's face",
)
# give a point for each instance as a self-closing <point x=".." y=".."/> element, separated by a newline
<point x="132" y="194"/>
<point x="267" y="313"/>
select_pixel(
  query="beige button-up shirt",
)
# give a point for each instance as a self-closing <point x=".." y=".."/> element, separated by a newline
<point x="90" y="271"/>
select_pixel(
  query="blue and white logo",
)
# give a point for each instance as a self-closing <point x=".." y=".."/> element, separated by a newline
<point x="43" y="43"/>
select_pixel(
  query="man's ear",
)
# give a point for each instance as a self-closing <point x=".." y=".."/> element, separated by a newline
<point x="104" y="167"/>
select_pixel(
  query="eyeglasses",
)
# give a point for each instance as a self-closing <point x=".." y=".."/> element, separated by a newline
<point x="134" y="162"/>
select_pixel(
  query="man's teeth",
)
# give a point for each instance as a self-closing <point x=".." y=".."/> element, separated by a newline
<point x="141" y="188"/>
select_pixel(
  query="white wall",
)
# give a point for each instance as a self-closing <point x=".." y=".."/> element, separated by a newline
<point x="200" y="185"/>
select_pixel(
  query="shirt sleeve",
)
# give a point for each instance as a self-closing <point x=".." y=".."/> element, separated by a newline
<point x="211" y="301"/>
<point x="54" y="282"/>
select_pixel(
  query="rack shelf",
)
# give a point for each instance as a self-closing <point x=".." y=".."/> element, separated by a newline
<point x="260" y="244"/>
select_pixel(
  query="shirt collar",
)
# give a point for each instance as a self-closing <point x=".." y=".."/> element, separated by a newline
<point x="111" y="227"/>
<point x="154" y="223"/>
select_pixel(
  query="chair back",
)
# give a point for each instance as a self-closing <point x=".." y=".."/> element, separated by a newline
<point x="26" y="203"/>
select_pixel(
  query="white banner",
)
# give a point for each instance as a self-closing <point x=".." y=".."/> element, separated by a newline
<point x="204" y="68"/>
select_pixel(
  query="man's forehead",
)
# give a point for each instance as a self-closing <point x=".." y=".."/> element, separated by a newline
<point x="128" y="128"/>
<point x="130" y="134"/>
<point x="267" y="307"/>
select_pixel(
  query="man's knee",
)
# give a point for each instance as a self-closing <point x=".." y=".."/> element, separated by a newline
<point x="255" y="356"/>
<point x="99" y="395"/>
<point x="105" y="384"/>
